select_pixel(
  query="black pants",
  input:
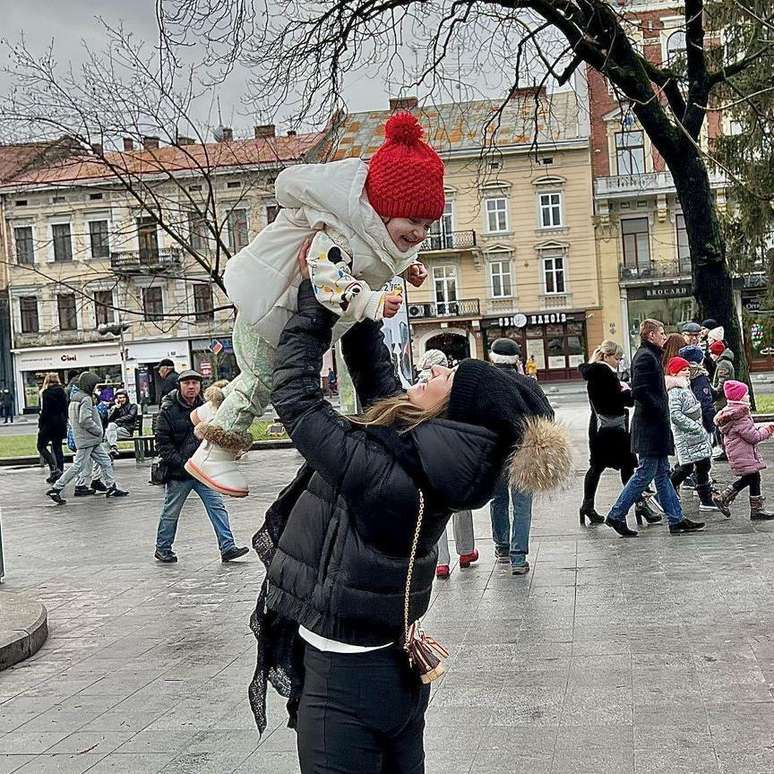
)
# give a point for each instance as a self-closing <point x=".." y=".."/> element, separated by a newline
<point x="681" y="472"/>
<point x="594" y="473"/>
<point x="361" y="713"/>
<point x="55" y="462"/>
<point x="753" y="480"/>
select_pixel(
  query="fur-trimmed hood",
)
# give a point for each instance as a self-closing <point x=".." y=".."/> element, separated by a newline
<point x="676" y="382"/>
<point x="543" y="460"/>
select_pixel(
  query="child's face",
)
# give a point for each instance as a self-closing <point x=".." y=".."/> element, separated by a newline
<point x="407" y="233"/>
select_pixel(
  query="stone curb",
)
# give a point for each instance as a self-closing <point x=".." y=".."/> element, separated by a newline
<point x="23" y="628"/>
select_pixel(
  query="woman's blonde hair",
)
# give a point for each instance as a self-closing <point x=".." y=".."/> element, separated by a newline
<point x="399" y="412"/>
<point x="606" y="349"/>
<point x="52" y="377"/>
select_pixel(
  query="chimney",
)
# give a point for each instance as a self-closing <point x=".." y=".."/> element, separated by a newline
<point x="527" y="92"/>
<point x="150" y="143"/>
<point x="264" y="131"/>
<point x="96" y="148"/>
<point x="182" y="140"/>
<point x="128" y="144"/>
<point x="228" y="134"/>
<point x="292" y="133"/>
<point x="403" y="103"/>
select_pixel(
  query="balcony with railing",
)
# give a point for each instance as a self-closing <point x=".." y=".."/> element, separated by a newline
<point x="465" y="307"/>
<point x="449" y="241"/>
<point x="654" y="270"/>
<point x="649" y="183"/>
<point x="146" y="261"/>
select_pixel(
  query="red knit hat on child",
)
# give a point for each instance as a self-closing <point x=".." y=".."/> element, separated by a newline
<point x="717" y="348"/>
<point x="733" y="390"/>
<point x="675" y="365"/>
<point x="405" y="176"/>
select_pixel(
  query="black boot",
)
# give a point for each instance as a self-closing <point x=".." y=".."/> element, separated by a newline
<point x="757" y="511"/>
<point x="587" y="511"/>
<point x="621" y="527"/>
<point x="98" y="486"/>
<point x="55" y="495"/>
<point x="642" y="511"/>
<point x="83" y="491"/>
<point x="56" y="474"/>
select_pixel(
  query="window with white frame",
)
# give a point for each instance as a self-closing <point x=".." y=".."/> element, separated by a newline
<point x="99" y="238"/>
<point x="683" y="248"/>
<point x="25" y="245"/>
<point x="630" y="152"/>
<point x="68" y="314"/>
<point x="152" y="304"/>
<point x="636" y="243"/>
<point x="675" y="46"/>
<point x="550" y="205"/>
<point x="440" y="236"/>
<point x="500" y="277"/>
<point x="553" y="274"/>
<point x="496" y="214"/>
<point x="28" y="312"/>
<point x="444" y="287"/>
<point x="237" y="230"/>
<point x="103" y="307"/>
<point x="61" y="237"/>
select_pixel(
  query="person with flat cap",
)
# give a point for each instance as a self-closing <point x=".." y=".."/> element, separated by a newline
<point x="176" y="443"/>
<point x="168" y="376"/>
<point x="691" y="332"/>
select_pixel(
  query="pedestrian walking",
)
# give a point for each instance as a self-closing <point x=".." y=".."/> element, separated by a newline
<point x="176" y="443"/>
<point x="700" y="385"/>
<point x="651" y="437"/>
<point x="510" y="535"/>
<point x="363" y="514"/>
<point x="7" y="405"/>
<point x="609" y="438"/>
<point x="531" y="369"/>
<point x="723" y="359"/>
<point x="742" y="438"/>
<point x="86" y="425"/>
<point x="692" y="441"/>
<point x="52" y="425"/>
<point x="462" y="521"/>
<point x="168" y="376"/>
<point x="673" y="344"/>
<point x="691" y="333"/>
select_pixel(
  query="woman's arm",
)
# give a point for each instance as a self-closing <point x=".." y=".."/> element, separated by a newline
<point x="343" y="455"/>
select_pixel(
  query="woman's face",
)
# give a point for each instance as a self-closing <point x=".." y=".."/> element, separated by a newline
<point x="431" y="393"/>
<point x="613" y="360"/>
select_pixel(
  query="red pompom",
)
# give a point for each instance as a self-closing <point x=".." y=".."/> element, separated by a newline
<point x="403" y="128"/>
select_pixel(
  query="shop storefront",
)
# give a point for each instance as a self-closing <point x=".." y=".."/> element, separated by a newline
<point x="758" y="324"/>
<point x="672" y="304"/>
<point x="556" y="340"/>
<point x="32" y="365"/>
<point x="141" y="361"/>
<point x="214" y="359"/>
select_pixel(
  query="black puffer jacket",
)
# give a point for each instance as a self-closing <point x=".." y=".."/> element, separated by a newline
<point x="340" y="567"/>
<point x="53" y="412"/>
<point x="175" y="439"/>
<point x="124" y="416"/>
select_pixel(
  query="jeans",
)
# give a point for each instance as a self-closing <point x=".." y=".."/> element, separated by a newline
<point x="176" y="493"/>
<point x="464" y="539"/>
<point x="513" y="538"/>
<point x="115" y="433"/>
<point x="82" y="463"/>
<point x="650" y="468"/>
<point x="54" y="458"/>
<point x="361" y="713"/>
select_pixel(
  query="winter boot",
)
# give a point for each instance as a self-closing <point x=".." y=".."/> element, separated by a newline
<point x="214" y="462"/>
<point x="98" y="486"/>
<point x="643" y="510"/>
<point x="757" y="511"/>
<point x="724" y="500"/>
<point x="588" y="511"/>
<point x="83" y="491"/>
<point x="706" y="502"/>
<point x="213" y="397"/>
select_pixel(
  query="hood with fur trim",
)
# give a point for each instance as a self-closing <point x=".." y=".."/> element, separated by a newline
<point x="543" y="460"/>
<point x="676" y="382"/>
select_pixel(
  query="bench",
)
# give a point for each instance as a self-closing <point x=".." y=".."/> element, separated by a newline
<point x="144" y="447"/>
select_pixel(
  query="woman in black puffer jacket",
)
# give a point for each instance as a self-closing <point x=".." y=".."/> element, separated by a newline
<point x="52" y="425"/>
<point x="329" y="619"/>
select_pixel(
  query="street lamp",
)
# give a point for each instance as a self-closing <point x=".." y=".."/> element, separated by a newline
<point x="117" y="329"/>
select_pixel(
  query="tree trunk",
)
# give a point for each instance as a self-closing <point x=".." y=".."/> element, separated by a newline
<point x="712" y="286"/>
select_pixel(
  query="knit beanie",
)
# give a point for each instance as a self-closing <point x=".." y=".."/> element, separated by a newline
<point x="515" y="408"/>
<point x="733" y="390"/>
<point x="716" y="334"/>
<point x="692" y="354"/>
<point x="504" y="352"/>
<point x="675" y="365"/>
<point x="717" y="348"/>
<point x="405" y="176"/>
<point x="709" y="324"/>
<point x="431" y="358"/>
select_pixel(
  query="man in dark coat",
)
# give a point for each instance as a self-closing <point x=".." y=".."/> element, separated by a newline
<point x="651" y="437"/>
<point x="176" y="443"/>
<point x="168" y="376"/>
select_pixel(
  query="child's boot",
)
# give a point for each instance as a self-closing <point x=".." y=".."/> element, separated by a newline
<point x="214" y="462"/>
<point x="724" y="500"/>
<point x="757" y="511"/>
<point x="213" y="397"/>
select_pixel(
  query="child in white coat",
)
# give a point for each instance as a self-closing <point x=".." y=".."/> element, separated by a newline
<point x="359" y="224"/>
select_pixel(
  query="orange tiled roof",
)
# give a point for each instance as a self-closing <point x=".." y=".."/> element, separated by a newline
<point x="21" y="157"/>
<point x="188" y="158"/>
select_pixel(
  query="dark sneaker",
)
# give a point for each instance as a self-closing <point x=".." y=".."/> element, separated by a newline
<point x="520" y="569"/>
<point x="621" y="527"/>
<point x="54" y="477"/>
<point x="502" y="555"/>
<point x="114" y="491"/>
<point x="56" y="496"/>
<point x="233" y="553"/>
<point x="98" y="486"/>
<point x="167" y="557"/>
<point x="686" y="525"/>
<point x="114" y="452"/>
<point x="83" y="491"/>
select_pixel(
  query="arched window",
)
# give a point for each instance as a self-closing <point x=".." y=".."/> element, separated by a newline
<point x="675" y="46"/>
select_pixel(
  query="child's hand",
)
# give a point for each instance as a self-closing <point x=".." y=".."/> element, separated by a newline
<point x="303" y="266"/>
<point x="392" y="305"/>
<point x="416" y="274"/>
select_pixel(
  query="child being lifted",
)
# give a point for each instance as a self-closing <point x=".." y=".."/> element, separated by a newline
<point x="364" y="224"/>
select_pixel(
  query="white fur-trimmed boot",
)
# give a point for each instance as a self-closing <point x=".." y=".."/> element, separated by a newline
<point x="214" y="462"/>
<point x="213" y="397"/>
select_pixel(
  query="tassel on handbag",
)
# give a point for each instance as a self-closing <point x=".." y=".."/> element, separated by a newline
<point x="425" y="655"/>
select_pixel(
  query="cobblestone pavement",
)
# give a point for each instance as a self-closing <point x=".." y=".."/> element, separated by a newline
<point x="648" y="655"/>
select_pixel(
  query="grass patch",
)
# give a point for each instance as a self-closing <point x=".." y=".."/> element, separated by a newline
<point x="764" y="404"/>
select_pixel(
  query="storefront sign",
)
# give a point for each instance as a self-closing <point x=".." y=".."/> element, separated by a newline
<point x="539" y="318"/>
<point x="659" y="291"/>
<point x="73" y="357"/>
<point x="205" y="369"/>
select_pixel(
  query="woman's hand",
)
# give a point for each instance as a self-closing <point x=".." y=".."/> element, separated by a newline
<point x="392" y="305"/>
<point x="303" y="266"/>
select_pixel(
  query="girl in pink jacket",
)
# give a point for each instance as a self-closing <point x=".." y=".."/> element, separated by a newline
<point x="741" y="438"/>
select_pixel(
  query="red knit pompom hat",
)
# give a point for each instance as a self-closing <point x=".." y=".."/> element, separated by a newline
<point x="405" y="176"/>
<point x="675" y="365"/>
<point x="717" y="348"/>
